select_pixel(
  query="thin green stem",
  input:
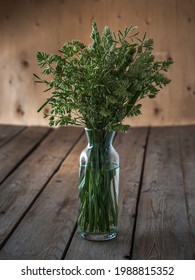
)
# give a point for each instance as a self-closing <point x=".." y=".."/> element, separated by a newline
<point x="98" y="190"/>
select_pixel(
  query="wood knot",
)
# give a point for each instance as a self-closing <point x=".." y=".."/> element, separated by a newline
<point x="46" y="111"/>
<point x="20" y="110"/>
<point x="157" y="111"/>
<point x="25" y="63"/>
<point x="147" y="22"/>
<point x="169" y="57"/>
<point x="58" y="181"/>
<point x="189" y="19"/>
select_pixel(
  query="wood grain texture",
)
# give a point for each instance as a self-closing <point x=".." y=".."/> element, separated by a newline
<point x="130" y="147"/>
<point x="7" y="132"/>
<point x="10" y="156"/>
<point x="38" y="200"/>
<point x="162" y="229"/>
<point x="187" y="148"/>
<point x="47" y="226"/>
<point x="47" y="25"/>
<point x="21" y="189"/>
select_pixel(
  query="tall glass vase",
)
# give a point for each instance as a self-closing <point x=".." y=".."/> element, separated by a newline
<point x="98" y="187"/>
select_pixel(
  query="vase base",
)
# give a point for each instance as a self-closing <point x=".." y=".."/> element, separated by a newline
<point x="97" y="237"/>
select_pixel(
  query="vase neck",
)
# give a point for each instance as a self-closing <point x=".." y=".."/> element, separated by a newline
<point x="100" y="137"/>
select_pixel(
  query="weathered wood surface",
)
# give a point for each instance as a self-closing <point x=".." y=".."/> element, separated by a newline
<point x="51" y="220"/>
<point x="13" y="153"/>
<point x="47" y="25"/>
<point x="162" y="230"/>
<point x="38" y="195"/>
<point x="7" y="132"/>
<point x="20" y="190"/>
<point x="187" y="146"/>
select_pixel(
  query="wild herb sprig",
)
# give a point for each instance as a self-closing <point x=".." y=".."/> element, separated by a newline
<point x="100" y="85"/>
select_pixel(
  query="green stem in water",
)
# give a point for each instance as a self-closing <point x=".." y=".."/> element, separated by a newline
<point x="98" y="211"/>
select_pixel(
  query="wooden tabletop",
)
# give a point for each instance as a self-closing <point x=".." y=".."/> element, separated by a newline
<point x="38" y="194"/>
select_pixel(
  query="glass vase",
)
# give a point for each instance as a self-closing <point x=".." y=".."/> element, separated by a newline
<point x="98" y="187"/>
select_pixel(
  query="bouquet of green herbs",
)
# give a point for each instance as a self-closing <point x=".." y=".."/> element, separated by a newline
<point x="98" y="86"/>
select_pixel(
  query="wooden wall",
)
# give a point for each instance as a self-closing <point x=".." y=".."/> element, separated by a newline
<point x="27" y="26"/>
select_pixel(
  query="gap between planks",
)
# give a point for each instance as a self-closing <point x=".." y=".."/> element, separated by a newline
<point x="17" y="151"/>
<point x="47" y="217"/>
<point x="139" y="192"/>
<point x="39" y="156"/>
<point x="8" y="132"/>
<point x="162" y="229"/>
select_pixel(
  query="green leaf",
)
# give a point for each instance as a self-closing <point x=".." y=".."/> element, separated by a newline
<point x="36" y="76"/>
<point x="44" y="104"/>
<point x="104" y="82"/>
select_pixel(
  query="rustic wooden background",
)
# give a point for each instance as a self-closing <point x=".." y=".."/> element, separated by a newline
<point x="27" y="26"/>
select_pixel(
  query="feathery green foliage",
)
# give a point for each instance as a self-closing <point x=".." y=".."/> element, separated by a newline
<point x="100" y="85"/>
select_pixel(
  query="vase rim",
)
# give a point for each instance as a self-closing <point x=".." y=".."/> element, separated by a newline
<point x="92" y="129"/>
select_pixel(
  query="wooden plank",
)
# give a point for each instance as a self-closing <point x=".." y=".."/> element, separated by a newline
<point x="12" y="154"/>
<point x="16" y="70"/>
<point x="45" y="230"/>
<point x="162" y="230"/>
<point x="130" y="147"/>
<point x="187" y="146"/>
<point x="7" y="132"/>
<point x="57" y="210"/>
<point x="21" y="189"/>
